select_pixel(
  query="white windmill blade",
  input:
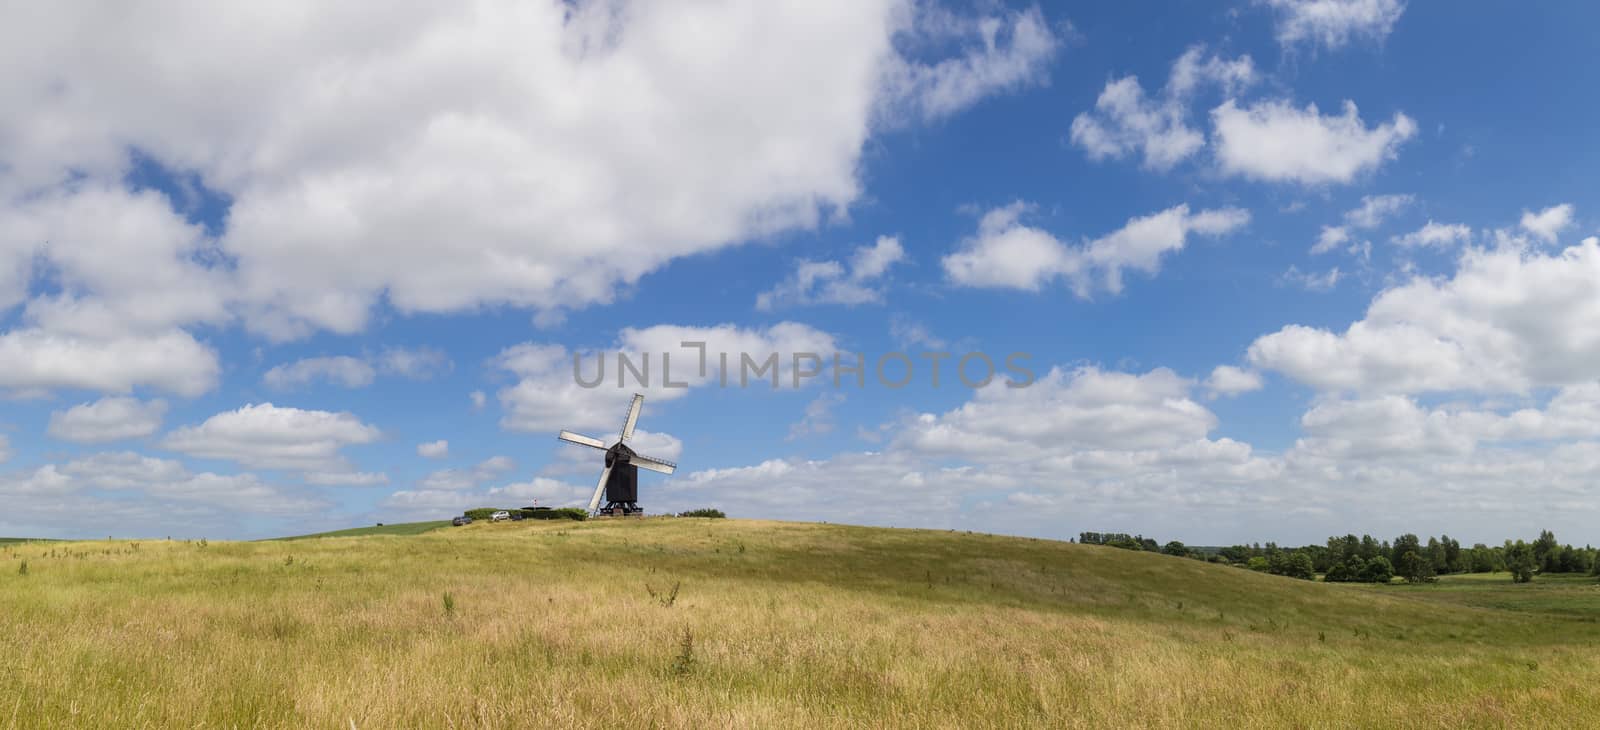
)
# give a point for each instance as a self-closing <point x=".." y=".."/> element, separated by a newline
<point x="594" y="502"/>
<point x="652" y="463"/>
<point x="582" y="440"/>
<point x="633" y="417"/>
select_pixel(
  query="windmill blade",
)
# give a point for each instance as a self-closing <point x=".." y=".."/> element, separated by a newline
<point x="594" y="502"/>
<point x="582" y="440"/>
<point x="652" y="463"/>
<point x="633" y="417"/>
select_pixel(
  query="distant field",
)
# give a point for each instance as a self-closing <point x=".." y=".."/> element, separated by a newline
<point x="11" y="540"/>
<point x="729" y="623"/>
<point x="404" y="528"/>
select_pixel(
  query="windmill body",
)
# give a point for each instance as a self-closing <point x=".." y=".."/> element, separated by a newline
<point x="619" y="479"/>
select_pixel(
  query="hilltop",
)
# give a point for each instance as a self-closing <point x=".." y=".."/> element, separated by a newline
<point x="712" y="623"/>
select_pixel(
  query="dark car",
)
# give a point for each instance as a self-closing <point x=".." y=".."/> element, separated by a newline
<point x="516" y="515"/>
<point x="462" y="520"/>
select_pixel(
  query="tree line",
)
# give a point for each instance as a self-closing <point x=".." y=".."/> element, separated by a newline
<point x="1351" y="559"/>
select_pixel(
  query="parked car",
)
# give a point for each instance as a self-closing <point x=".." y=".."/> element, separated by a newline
<point x="462" y="520"/>
<point x="517" y="516"/>
<point x="500" y="516"/>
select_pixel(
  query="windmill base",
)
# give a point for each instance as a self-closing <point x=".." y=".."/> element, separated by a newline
<point x="621" y="509"/>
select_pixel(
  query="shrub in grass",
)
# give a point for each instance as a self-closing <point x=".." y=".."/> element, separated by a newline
<point x="705" y="512"/>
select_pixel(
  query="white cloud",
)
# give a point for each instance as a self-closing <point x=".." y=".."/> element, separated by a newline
<point x="907" y="332"/>
<point x="434" y="449"/>
<point x="272" y="437"/>
<point x="1548" y="223"/>
<point x="422" y="363"/>
<point x="635" y="142"/>
<point x="1125" y="120"/>
<point x="1334" y="23"/>
<point x="1332" y="237"/>
<point x="478" y="398"/>
<point x="1009" y="254"/>
<point x="170" y="361"/>
<point x="347" y="478"/>
<point x="353" y="372"/>
<point x="342" y="370"/>
<point x="107" y="419"/>
<point x="1012" y="52"/>
<point x="818" y="418"/>
<point x="1440" y="235"/>
<point x="456" y="479"/>
<point x="1274" y="141"/>
<point x="549" y="397"/>
<point x="829" y="282"/>
<point x="1509" y="320"/>
<point x="1227" y="381"/>
<point x="150" y="494"/>
<point x="5" y="449"/>
<point x="1375" y="208"/>
<point x="1311" y="281"/>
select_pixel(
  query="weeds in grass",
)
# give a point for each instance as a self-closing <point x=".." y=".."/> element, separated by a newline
<point x="23" y="569"/>
<point x="449" y="604"/>
<point x="683" y="663"/>
<point x="665" y="598"/>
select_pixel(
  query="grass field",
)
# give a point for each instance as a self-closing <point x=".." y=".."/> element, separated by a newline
<point x="730" y="623"/>
<point x="404" y="528"/>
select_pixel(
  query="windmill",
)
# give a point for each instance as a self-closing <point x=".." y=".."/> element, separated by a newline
<point x="620" y="478"/>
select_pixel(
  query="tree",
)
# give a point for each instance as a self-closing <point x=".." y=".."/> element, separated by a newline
<point x="1407" y="543"/>
<point x="1415" y="568"/>
<point x="1298" y="565"/>
<point x="1175" y="548"/>
<point x="1377" y="570"/>
<point x="1521" y="562"/>
<point x="1547" y="552"/>
<point x="1258" y="564"/>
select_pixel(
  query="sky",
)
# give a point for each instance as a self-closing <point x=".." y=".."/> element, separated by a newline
<point x="1245" y="271"/>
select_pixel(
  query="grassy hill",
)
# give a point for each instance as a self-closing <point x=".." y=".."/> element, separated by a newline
<point x="718" y="623"/>
<point x="403" y="528"/>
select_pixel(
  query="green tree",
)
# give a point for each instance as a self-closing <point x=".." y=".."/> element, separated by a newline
<point x="1415" y="568"/>
<point x="1258" y="564"/>
<point x="1175" y="548"/>
<point x="1520" y="561"/>
<point x="1377" y="570"/>
<point x="1407" y="543"/>
<point x="1298" y="565"/>
<point x="1547" y="552"/>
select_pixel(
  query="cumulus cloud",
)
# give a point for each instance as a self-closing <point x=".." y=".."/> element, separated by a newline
<point x="342" y="370"/>
<point x="1312" y="281"/>
<point x="273" y="437"/>
<point x="1508" y="320"/>
<point x="548" y="395"/>
<point x="1331" y="238"/>
<point x="1228" y="380"/>
<point x="347" y="478"/>
<point x="1000" y="53"/>
<point x="832" y="282"/>
<point x="1334" y="23"/>
<point x="541" y="156"/>
<point x="1125" y="120"/>
<point x="1437" y="235"/>
<point x="116" y="492"/>
<point x="434" y="449"/>
<point x="489" y="469"/>
<point x="1009" y="254"/>
<point x="172" y="361"/>
<point x="1275" y="141"/>
<point x="107" y="419"/>
<point x="1548" y="223"/>
<point x="1374" y="209"/>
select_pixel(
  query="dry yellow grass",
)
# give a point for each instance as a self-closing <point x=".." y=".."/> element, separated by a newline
<point x="787" y="625"/>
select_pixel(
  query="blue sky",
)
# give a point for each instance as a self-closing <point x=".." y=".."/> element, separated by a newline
<point x="1284" y="269"/>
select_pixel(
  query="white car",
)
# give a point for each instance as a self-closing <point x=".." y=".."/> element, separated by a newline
<point x="500" y="516"/>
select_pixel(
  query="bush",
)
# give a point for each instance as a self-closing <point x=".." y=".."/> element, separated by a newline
<point x="706" y="512"/>
<point x="481" y="513"/>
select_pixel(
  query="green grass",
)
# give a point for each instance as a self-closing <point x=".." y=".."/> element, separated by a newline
<point x="14" y="540"/>
<point x="734" y="623"/>
<point x="403" y="528"/>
